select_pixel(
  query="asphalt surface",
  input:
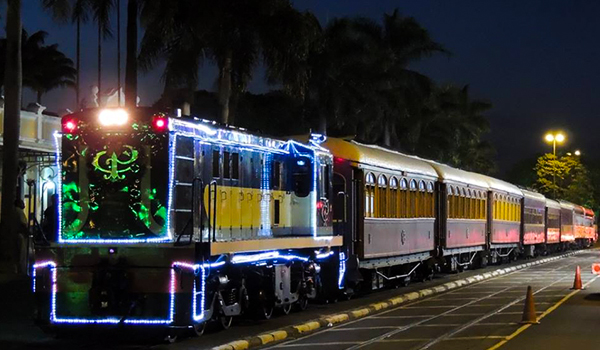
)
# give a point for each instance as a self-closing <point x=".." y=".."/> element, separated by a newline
<point x="436" y="322"/>
<point x="481" y="316"/>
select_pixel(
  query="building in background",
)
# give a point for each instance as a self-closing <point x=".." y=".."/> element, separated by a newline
<point x="38" y="177"/>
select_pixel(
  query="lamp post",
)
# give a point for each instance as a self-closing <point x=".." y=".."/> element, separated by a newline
<point x="555" y="138"/>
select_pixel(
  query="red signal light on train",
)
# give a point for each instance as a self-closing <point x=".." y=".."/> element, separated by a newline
<point x="160" y="123"/>
<point x="69" y="125"/>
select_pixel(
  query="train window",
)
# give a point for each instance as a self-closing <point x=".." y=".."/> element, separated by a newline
<point x="382" y="196"/>
<point x="393" y="204"/>
<point x="422" y="202"/>
<point x="403" y="200"/>
<point x="450" y="205"/>
<point x="235" y="166"/>
<point x="276" y="214"/>
<point x="276" y="175"/>
<point x="215" y="164"/>
<point x="369" y="194"/>
<point x="302" y="179"/>
<point x="403" y="184"/>
<point x="226" y="165"/>
<point x="484" y="208"/>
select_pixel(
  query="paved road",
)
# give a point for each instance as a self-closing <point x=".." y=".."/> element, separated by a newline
<point x="428" y="321"/>
<point x="480" y="316"/>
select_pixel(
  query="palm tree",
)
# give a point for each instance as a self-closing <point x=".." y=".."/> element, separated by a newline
<point x="131" y="60"/>
<point x="102" y="10"/>
<point x="78" y="12"/>
<point x="235" y="35"/>
<point x="360" y="82"/>
<point x="45" y="67"/>
<point x="12" y="115"/>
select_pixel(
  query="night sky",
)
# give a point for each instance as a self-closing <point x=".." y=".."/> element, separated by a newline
<point x="538" y="62"/>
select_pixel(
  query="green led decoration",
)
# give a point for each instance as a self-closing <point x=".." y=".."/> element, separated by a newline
<point x="113" y="172"/>
<point x="114" y="184"/>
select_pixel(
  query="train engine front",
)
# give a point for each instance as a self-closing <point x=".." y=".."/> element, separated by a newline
<point x="109" y="261"/>
<point x="174" y="222"/>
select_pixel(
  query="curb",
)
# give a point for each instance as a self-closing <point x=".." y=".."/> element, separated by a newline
<point x="331" y="320"/>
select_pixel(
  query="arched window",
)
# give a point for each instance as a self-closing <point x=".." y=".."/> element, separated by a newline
<point x="370" y="178"/>
<point x="413" y="201"/>
<point x="403" y="199"/>
<point x="393" y="200"/>
<point x="370" y="195"/>
<point x="470" y="204"/>
<point x="431" y="200"/>
<point x="464" y="204"/>
<point x="382" y="197"/>
<point x="403" y="184"/>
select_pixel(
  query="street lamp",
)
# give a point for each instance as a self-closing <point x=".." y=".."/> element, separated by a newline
<point x="555" y="138"/>
<point x="577" y="153"/>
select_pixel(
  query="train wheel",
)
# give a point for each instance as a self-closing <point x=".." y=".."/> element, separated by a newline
<point x="198" y="329"/>
<point x="225" y="321"/>
<point x="265" y="312"/>
<point x="302" y="303"/>
<point x="286" y="309"/>
<point x="171" y="337"/>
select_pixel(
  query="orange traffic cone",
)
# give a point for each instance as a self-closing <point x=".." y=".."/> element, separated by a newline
<point x="577" y="283"/>
<point x="529" y="315"/>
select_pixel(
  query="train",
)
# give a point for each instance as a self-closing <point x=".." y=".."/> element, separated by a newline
<point x="176" y="222"/>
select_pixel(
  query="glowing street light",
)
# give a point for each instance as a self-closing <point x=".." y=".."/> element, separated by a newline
<point x="577" y="153"/>
<point x="555" y="138"/>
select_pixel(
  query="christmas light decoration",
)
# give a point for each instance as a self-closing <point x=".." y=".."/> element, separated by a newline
<point x="342" y="271"/>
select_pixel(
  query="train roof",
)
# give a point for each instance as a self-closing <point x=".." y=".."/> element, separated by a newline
<point x="447" y="173"/>
<point x="551" y="203"/>
<point x="378" y="156"/>
<point x="533" y="197"/>
<point x="502" y="186"/>
<point x="566" y="205"/>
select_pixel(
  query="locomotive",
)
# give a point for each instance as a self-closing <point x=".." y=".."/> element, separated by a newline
<point x="173" y="221"/>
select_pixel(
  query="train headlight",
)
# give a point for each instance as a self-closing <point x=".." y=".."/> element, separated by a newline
<point x="113" y="117"/>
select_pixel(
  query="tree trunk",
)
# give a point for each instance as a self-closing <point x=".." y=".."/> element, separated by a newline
<point x="225" y="87"/>
<point x="131" y="65"/>
<point x="234" y="101"/>
<point x="99" y="65"/>
<point x="12" y="120"/>
<point x="119" y="53"/>
<point x="77" y="59"/>
<point x="322" y="128"/>
<point x="387" y="131"/>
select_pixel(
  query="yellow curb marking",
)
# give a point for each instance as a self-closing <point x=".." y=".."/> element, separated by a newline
<point x="360" y="313"/>
<point x="240" y="345"/>
<point x="307" y="327"/>
<point x="337" y="318"/>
